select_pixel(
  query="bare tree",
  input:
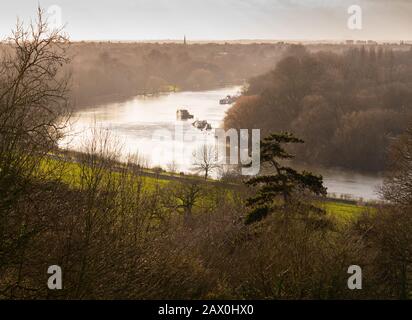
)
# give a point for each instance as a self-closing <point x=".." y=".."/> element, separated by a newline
<point x="183" y="196"/>
<point x="172" y="166"/>
<point x="205" y="160"/>
<point x="397" y="187"/>
<point x="99" y="183"/>
<point x="33" y="115"/>
<point x="33" y="97"/>
<point x="100" y="152"/>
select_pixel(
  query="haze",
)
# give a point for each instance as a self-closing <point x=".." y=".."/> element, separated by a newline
<point x="220" y="19"/>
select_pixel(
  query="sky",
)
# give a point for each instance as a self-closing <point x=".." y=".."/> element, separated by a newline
<point x="219" y="19"/>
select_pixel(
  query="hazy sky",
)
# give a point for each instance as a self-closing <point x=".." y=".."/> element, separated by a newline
<point x="220" y="19"/>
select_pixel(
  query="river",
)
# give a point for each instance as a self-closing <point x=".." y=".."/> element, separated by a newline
<point x="147" y="126"/>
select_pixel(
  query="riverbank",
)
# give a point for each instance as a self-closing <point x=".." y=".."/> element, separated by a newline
<point x="147" y="126"/>
<point x="103" y="72"/>
<point x="118" y="98"/>
<point x="343" y="210"/>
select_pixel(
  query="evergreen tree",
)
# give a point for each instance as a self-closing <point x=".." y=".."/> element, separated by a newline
<point x="278" y="191"/>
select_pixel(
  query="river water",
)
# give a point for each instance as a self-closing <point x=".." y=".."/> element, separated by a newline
<point x="147" y="126"/>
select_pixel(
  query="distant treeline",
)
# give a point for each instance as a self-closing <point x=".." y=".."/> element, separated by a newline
<point x="104" y="72"/>
<point x="348" y="107"/>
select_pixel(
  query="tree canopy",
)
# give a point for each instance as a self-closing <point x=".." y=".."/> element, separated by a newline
<point x="278" y="190"/>
<point x="348" y="107"/>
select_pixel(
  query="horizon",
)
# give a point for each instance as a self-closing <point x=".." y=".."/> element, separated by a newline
<point x="244" y="41"/>
<point x="217" y="20"/>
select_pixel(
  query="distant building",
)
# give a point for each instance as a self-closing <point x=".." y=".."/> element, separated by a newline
<point x="361" y="42"/>
<point x="350" y="42"/>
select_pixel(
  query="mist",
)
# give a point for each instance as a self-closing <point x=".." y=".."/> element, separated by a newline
<point x="220" y="19"/>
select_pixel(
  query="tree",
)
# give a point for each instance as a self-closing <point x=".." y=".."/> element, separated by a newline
<point x="33" y="115"/>
<point x="183" y="196"/>
<point x="243" y="115"/>
<point x="388" y="234"/>
<point x="345" y="106"/>
<point x="278" y="190"/>
<point x="33" y="99"/>
<point x="397" y="187"/>
<point x="205" y="160"/>
<point x="201" y="78"/>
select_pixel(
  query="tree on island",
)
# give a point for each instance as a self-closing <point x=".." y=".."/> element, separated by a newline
<point x="279" y="191"/>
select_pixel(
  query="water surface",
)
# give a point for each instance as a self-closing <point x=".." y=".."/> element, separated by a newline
<point x="147" y="126"/>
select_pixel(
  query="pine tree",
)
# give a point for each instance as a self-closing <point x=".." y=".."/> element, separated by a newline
<point x="277" y="191"/>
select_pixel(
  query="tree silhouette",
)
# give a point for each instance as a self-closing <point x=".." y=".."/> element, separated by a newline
<point x="205" y="160"/>
<point x="279" y="190"/>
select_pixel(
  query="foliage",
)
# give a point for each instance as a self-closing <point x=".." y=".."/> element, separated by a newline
<point x="285" y="183"/>
<point x="397" y="187"/>
<point x="347" y="107"/>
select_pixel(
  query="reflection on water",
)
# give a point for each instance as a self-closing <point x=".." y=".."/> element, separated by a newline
<point x="353" y="185"/>
<point x="148" y="127"/>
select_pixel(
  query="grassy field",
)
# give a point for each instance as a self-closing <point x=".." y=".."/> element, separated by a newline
<point x="70" y="174"/>
<point x="344" y="211"/>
